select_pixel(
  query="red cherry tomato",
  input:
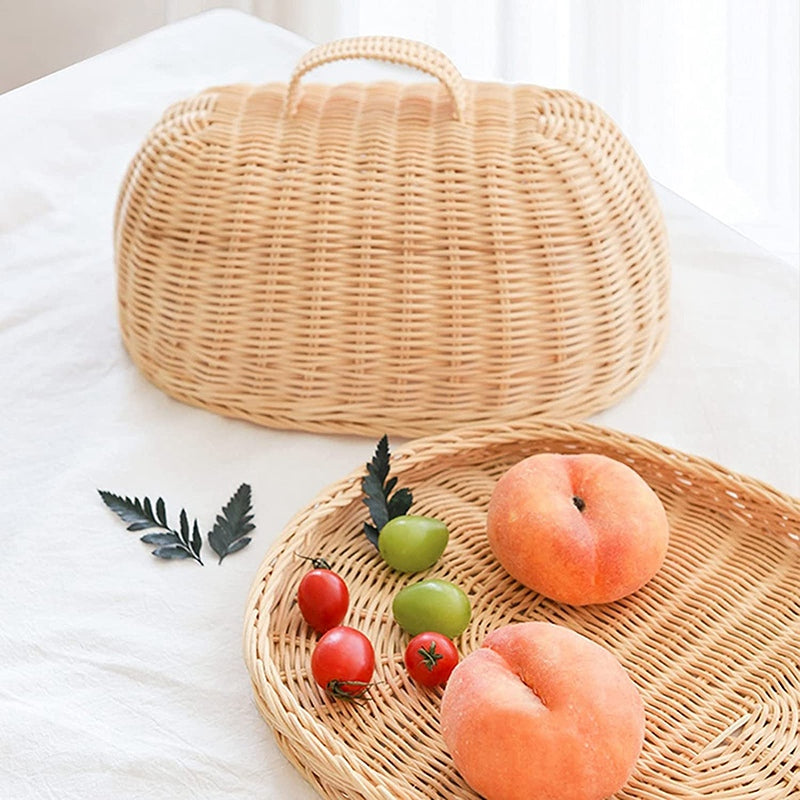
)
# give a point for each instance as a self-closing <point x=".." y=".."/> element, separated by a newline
<point x="430" y="658"/>
<point x="343" y="662"/>
<point x="323" y="598"/>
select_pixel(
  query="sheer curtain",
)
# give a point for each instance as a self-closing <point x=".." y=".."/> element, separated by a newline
<point x="706" y="90"/>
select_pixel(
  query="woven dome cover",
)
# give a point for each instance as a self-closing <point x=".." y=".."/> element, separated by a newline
<point x="390" y="257"/>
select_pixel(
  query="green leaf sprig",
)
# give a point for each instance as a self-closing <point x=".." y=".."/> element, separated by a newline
<point x="173" y="544"/>
<point x="228" y="535"/>
<point x="378" y="497"/>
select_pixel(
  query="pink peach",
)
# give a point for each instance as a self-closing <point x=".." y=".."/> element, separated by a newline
<point x="540" y="712"/>
<point x="579" y="529"/>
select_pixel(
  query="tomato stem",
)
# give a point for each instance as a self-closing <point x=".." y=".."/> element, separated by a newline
<point x="335" y="690"/>
<point x="430" y="656"/>
<point x="316" y="561"/>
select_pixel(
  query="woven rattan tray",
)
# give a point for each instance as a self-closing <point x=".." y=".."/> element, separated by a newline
<point x="713" y="641"/>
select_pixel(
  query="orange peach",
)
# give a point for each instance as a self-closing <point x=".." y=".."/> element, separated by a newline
<point x="579" y="529"/>
<point x="540" y="711"/>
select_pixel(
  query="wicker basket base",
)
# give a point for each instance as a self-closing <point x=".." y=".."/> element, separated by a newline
<point x="713" y="641"/>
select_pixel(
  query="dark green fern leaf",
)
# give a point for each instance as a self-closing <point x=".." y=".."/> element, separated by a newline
<point x="230" y="530"/>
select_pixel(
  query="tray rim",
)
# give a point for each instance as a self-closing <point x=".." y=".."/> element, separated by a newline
<point x="413" y="453"/>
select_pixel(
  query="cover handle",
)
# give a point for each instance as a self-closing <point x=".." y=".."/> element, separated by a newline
<point x="383" y="48"/>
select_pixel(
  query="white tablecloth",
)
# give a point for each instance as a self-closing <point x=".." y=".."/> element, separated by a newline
<point x="120" y="675"/>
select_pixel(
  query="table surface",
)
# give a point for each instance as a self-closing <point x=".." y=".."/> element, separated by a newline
<point x="122" y="675"/>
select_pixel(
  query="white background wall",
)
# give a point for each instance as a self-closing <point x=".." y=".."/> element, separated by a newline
<point x="707" y="90"/>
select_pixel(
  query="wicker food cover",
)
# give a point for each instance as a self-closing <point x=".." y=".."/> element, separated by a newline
<point x="390" y="257"/>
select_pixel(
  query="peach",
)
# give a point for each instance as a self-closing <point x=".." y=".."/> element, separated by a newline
<point x="539" y="711"/>
<point x="579" y="529"/>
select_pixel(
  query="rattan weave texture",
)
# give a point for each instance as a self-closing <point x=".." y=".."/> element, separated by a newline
<point x="390" y="257"/>
<point x="713" y="641"/>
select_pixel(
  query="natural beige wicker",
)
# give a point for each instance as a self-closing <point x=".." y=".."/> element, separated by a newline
<point x="390" y="257"/>
<point x="713" y="641"/>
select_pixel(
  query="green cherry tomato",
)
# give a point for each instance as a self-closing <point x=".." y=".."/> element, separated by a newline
<point x="432" y="605"/>
<point x="411" y="544"/>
